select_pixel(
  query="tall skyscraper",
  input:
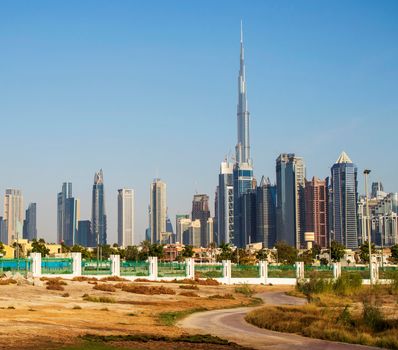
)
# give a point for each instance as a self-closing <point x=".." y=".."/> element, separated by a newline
<point x="98" y="214"/>
<point x="158" y="210"/>
<point x="182" y="228"/>
<point x="266" y="213"/>
<point x="243" y="146"/>
<point x="195" y="233"/>
<point x="13" y="214"/>
<point x="290" y="182"/>
<point x="201" y="211"/>
<point x="85" y="235"/>
<point x="385" y="221"/>
<point x="378" y="190"/>
<point x="316" y="210"/>
<point x="125" y="223"/>
<point x="68" y="215"/>
<point x="248" y="218"/>
<point x="61" y="210"/>
<point x="3" y="230"/>
<point x="29" y="225"/>
<point x="225" y="203"/>
<point x="344" y="198"/>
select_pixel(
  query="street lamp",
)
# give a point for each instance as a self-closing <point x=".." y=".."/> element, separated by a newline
<point x="366" y="172"/>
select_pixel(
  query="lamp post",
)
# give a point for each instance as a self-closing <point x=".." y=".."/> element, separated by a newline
<point x="366" y="172"/>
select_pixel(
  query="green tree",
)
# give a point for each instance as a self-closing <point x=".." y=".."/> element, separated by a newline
<point x="86" y="254"/>
<point x="156" y="249"/>
<point x="187" y="252"/>
<point x="132" y="253"/>
<point x="286" y="254"/>
<point x="337" y="251"/>
<point x="315" y="251"/>
<point x="261" y="255"/>
<point x="394" y="253"/>
<point x="364" y="251"/>
<point x="2" y="249"/>
<point x="307" y="257"/>
<point x="226" y="252"/>
<point x="40" y="247"/>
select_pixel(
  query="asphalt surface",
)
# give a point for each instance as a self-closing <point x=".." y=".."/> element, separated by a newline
<point x="230" y="324"/>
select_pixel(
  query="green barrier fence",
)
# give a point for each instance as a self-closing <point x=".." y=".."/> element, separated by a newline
<point x="171" y="269"/>
<point x="318" y="271"/>
<point x="388" y="272"/>
<point x="56" y="266"/>
<point x="361" y="270"/>
<point x="134" y="268"/>
<point x="22" y="266"/>
<point x="281" y="271"/>
<point x="94" y="267"/>
<point x="208" y="271"/>
<point x="245" y="271"/>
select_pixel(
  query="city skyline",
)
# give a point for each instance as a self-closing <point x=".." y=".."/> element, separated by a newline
<point x="337" y="118"/>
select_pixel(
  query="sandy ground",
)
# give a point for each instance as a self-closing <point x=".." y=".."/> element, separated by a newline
<point x="230" y="324"/>
<point x="34" y="317"/>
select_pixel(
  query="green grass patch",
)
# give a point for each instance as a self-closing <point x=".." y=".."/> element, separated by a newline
<point x="100" y="299"/>
<point x="171" y="317"/>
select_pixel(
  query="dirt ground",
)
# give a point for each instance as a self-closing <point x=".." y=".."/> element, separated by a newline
<point x="33" y="317"/>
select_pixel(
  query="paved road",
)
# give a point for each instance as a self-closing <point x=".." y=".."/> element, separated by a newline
<point x="230" y="324"/>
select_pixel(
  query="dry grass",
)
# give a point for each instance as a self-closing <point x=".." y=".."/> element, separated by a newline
<point x="147" y="290"/>
<point x="7" y="281"/>
<point x="114" y="279"/>
<point x="105" y="287"/>
<point x="55" y="284"/>
<point x="223" y="296"/>
<point x="99" y="299"/>
<point x="189" y="286"/>
<point x="190" y="294"/>
<point x="84" y="279"/>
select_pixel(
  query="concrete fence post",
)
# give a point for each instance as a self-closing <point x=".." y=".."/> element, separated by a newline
<point x="77" y="264"/>
<point x="190" y="268"/>
<point x="36" y="264"/>
<point x="374" y="272"/>
<point x="264" y="271"/>
<point x="300" y="270"/>
<point x="336" y="270"/>
<point x="115" y="265"/>
<point x="153" y="267"/>
<point x="227" y="270"/>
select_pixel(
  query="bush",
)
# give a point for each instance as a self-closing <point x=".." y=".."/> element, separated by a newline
<point x="190" y="294"/>
<point x="105" y="287"/>
<point x="100" y="299"/>
<point x="113" y="279"/>
<point x="190" y="286"/>
<point x="314" y="285"/>
<point x="224" y="296"/>
<point x="245" y="290"/>
<point x="152" y="290"/>
<point x="373" y="318"/>
<point x="348" y="284"/>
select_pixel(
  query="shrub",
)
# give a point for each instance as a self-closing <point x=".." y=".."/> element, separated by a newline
<point x="224" y="296"/>
<point x="190" y="294"/>
<point x="105" y="287"/>
<point x="348" y="284"/>
<point x="100" y="299"/>
<point x="4" y="282"/>
<point x="189" y="286"/>
<point x="152" y="290"/>
<point x="245" y="290"/>
<point x="315" y="285"/>
<point x="83" y="279"/>
<point x="76" y="307"/>
<point x="65" y="295"/>
<point x="373" y="318"/>
<point x="113" y="279"/>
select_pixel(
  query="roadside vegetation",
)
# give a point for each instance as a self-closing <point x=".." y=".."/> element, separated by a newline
<point x="343" y="310"/>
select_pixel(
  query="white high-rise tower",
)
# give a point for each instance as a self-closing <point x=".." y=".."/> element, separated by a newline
<point x="125" y="227"/>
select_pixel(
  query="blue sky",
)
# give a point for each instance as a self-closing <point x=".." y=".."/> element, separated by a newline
<point x="149" y="88"/>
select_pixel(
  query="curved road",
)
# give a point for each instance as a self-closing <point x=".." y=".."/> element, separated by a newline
<point x="230" y="324"/>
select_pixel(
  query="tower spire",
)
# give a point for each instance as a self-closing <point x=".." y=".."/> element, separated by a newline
<point x="243" y="145"/>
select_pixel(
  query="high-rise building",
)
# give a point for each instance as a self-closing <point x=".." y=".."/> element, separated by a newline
<point x="3" y="230"/>
<point x="216" y="239"/>
<point x="13" y="214"/>
<point x="377" y="187"/>
<point x="125" y="223"/>
<point x="85" y="235"/>
<point x="201" y="211"/>
<point x="266" y="213"/>
<point x="210" y="230"/>
<point x="68" y="215"/>
<point x="344" y="198"/>
<point x="182" y="228"/>
<point x="225" y="203"/>
<point x="290" y="182"/>
<point x="158" y="210"/>
<point x="98" y="214"/>
<point x="316" y="210"/>
<point x="195" y="233"/>
<point x="248" y="218"/>
<point x="29" y="225"/>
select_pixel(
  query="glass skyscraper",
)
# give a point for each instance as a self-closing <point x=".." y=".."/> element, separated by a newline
<point x="344" y="202"/>
<point x="98" y="215"/>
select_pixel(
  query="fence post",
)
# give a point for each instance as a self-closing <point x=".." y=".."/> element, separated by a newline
<point x="77" y="264"/>
<point x="300" y="270"/>
<point x="190" y="268"/>
<point x="227" y="270"/>
<point x="153" y="267"/>
<point x="374" y="272"/>
<point x="36" y="264"/>
<point x="336" y="270"/>
<point x="264" y="271"/>
<point x="115" y="265"/>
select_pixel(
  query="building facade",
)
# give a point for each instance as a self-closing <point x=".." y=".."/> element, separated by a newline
<point x="98" y="213"/>
<point x="266" y="213"/>
<point x="125" y="222"/>
<point x="30" y="226"/>
<point x="13" y="215"/>
<point x="316" y="210"/>
<point x="201" y="211"/>
<point x="158" y="210"/>
<point x="225" y="203"/>
<point x="85" y="235"/>
<point x="62" y="196"/>
<point x="290" y="183"/>
<point x="384" y="218"/>
<point x="182" y="228"/>
<point x="344" y="202"/>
